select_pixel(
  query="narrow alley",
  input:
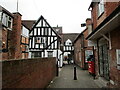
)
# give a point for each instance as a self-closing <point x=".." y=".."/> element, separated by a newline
<point x="49" y="42"/>
<point x="66" y="79"/>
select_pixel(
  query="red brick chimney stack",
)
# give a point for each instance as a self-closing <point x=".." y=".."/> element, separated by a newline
<point x="16" y="36"/>
<point x="89" y="25"/>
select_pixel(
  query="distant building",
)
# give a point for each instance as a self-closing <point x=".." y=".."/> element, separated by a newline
<point x="68" y="46"/>
<point x="82" y="48"/>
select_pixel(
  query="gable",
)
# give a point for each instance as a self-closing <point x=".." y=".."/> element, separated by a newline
<point x="42" y="36"/>
<point x="42" y="27"/>
<point x="68" y="42"/>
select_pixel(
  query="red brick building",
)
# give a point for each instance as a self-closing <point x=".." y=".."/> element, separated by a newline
<point x="106" y="39"/>
<point x="82" y="49"/>
<point x="6" y="22"/>
<point x="12" y="35"/>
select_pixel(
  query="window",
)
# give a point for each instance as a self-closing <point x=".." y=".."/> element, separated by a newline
<point x="36" y="54"/>
<point x="50" y="53"/>
<point x="0" y="16"/>
<point x="118" y="58"/>
<point x="100" y="7"/>
<point x="4" y="19"/>
<point x="26" y="48"/>
<point x="7" y="20"/>
<point x="39" y="40"/>
<point x="25" y="31"/>
<point x="70" y="43"/>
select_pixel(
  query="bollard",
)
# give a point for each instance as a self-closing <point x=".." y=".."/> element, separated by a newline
<point x="75" y="75"/>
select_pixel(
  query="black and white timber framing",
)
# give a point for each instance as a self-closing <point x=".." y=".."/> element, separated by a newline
<point x="68" y="46"/>
<point x="43" y="37"/>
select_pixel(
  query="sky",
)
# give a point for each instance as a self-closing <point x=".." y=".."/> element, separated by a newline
<point x="66" y="13"/>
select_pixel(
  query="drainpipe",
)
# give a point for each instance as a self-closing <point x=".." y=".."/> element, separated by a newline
<point x="94" y="62"/>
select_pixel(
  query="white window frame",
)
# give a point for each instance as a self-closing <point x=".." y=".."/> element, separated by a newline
<point x="0" y="16"/>
<point x="118" y="55"/>
<point x="100" y="7"/>
<point x="118" y="58"/>
<point x="7" y="19"/>
<point x="25" y="31"/>
<point x="4" y="19"/>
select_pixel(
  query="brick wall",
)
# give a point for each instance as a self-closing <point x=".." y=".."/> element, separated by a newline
<point x="109" y="7"/>
<point x="114" y="72"/>
<point x="28" y="73"/>
<point x="15" y="37"/>
<point x="4" y="42"/>
<point x="94" y="16"/>
<point x="77" y="53"/>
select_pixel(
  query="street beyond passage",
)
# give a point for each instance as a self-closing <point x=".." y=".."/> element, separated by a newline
<point x="66" y="79"/>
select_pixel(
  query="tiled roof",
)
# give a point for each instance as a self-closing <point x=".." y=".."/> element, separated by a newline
<point x="60" y="29"/>
<point x="28" y="23"/>
<point x="70" y="36"/>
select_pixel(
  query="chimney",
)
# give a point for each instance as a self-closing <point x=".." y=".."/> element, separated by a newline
<point x="15" y="37"/>
<point x="89" y="25"/>
<point x="88" y="22"/>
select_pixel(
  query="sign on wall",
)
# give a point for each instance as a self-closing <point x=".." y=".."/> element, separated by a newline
<point x="92" y="43"/>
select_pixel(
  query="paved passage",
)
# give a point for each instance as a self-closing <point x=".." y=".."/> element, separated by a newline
<point x="66" y="79"/>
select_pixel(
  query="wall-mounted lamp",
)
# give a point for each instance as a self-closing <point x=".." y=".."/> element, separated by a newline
<point x="83" y="24"/>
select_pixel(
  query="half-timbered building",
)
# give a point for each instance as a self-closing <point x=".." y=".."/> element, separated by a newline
<point x="44" y="41"/>
<point x="68" y="46"/>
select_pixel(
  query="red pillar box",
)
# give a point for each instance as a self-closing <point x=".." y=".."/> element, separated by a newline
<point x="91" y="65"/>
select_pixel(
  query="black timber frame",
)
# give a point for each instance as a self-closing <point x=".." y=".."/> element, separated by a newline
<point x="46" y="32"/>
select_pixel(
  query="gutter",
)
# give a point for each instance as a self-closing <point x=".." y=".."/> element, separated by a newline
<point x="115" y="12"/>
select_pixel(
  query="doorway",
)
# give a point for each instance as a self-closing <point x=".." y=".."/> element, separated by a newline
<point x="103" y="59"/>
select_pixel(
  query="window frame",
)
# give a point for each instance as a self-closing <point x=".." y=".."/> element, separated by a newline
<point x="36" y="54"/>
<point x="1" y="16"/>
<point x="101" y="8"/>
<point x="6" y="19"/>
